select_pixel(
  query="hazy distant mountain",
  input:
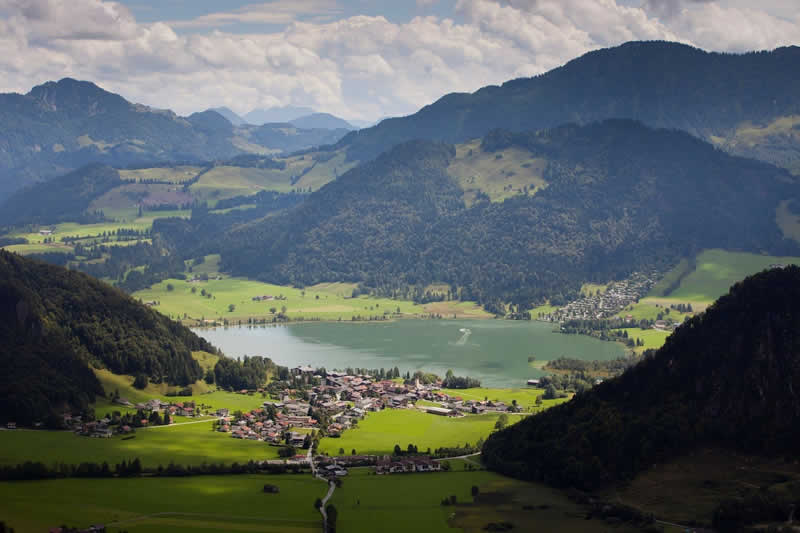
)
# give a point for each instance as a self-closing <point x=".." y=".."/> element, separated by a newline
<point x="321" y="121"/>
<point x="733" y="100"/>
<point x="232" y="117"/>
<point x="60" y="126"/>
<point x="276" y="114"/>
<point x="288" y="137"/>
<point x="360" y="124"/>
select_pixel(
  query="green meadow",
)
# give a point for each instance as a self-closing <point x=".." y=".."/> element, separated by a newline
<point x="379" y="432"/>
<point x="652" y="338"/>
<point x="717" y="270"/>
<point x="185" y="443"/>
<point x="223" y="503"/>
<point x="330" y="301"/>
<point x="400" y="503"/>
<point x="526" y="398"/>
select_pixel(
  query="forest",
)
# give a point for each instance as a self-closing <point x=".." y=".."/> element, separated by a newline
<point x="724" y="378"/>
<point x="56" y="323"/>
<point x="621" y="197"/>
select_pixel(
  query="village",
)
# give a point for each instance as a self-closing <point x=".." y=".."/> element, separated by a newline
<point x="617" y="296"/>
<point x="326" y="405"/>
<point x="314" y="404"/>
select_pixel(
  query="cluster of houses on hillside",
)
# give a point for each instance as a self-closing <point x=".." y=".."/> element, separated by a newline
<point x="617" y="296"/>
<point x="187" y="409"/>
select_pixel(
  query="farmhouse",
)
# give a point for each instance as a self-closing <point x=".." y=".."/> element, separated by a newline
<point x="441" y="411"/>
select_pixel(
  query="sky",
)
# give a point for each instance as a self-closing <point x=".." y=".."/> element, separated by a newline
<point x="357" y="59"/>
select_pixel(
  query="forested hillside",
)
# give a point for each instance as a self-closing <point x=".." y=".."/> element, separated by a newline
<point x="618" y="197"/>
<point x="65" y="198"/>
<point x="659" y="83"/>
<point x="55" y="323"/>
<point x="726" y="377"/>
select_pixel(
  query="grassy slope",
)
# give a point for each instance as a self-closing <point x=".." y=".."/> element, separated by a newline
<point x="500" y="178"/>
<point x="177" y="174"/>
<point x="652" y="338"/>
<point x="713" y="275"/>
<point x="379" y="432"/>
<point x="223" y="503"/>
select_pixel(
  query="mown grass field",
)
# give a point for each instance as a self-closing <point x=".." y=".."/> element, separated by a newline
<point x="526" y="398"/>
<point x="222" y="503"/>
<point x="380" y="431"/>
<point x="652" y="338"/>
<point x="226" y="182"/>
<point x="401" y="503"/>
<point x="185" y="443"/>
<point x="325" y="302"/>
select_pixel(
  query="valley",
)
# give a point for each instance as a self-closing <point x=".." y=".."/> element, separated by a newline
<point x="566" y="302"/>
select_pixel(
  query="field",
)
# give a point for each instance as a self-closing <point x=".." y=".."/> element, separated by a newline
<point x="324" y="302"/>
<point x="203" y="394"/>
<point x="500" y="174"/>
<point x="177" y="174"/>
<point x="226" y="182"/>
<point x="223" y="503"/>
<point x="379" y="432"/>
<point x="185" y="443"/>
<point x="526" y="398"/>
<point x="716" y="271"/>
<point x="401" y="503"/>
<point x="690" y="487"/>
<point x="699" y="283"/>
<point x="652" y="338"/>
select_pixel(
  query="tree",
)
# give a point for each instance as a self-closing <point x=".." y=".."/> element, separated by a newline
<point x="231" y="308"/>
<point x="475" y="491"/>
<point x="397" y="450"/>
<point x="332" y="514"/>
<point x="170" y="287"/>
<point x="341" y="451"/>
<point x="210" y="377"/>
<point x="502" y="422"/>
<point x="318" y="504"/>
<point x="283" y="309"/>
<point x="550" y="393"/>
<point x="273" y="310"/>
<point x="140" y="382"/>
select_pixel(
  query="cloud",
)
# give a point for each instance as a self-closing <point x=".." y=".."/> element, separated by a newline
<point x="275" y="12"/>
<point x="359" y="67"/>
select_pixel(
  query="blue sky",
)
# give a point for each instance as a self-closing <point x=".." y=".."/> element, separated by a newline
<point x="358" y="59"/>
<point x="397" y="11"/>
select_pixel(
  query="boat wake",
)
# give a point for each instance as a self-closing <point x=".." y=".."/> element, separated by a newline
<point x="465" y="335"/>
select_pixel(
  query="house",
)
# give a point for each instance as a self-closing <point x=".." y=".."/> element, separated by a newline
<point x="297" y="439"/>
<point x="441" y="411"/>
<point x="45" y="232"/>
<point x="11" y="425"/>
<point x="534" y="382"/>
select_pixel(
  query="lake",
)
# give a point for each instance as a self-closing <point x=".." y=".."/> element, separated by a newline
<point x="494" y="351"/>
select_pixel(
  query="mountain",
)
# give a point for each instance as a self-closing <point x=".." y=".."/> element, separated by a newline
<point x="321" y="121"/>
<point x="276" y="114"/>
<point x="747" y="103"/>
<point x="287" y="137"/>
<point x="61" y="126"/>
<point x="55" y="323"/>
<point x="571" y="204"/>
<point x="62" y="199"/>
<point x="232" y="117"/>
<point x="724" y="378"/>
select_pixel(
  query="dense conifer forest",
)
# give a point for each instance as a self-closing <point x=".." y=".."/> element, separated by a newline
<point x="724" y="378"/>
